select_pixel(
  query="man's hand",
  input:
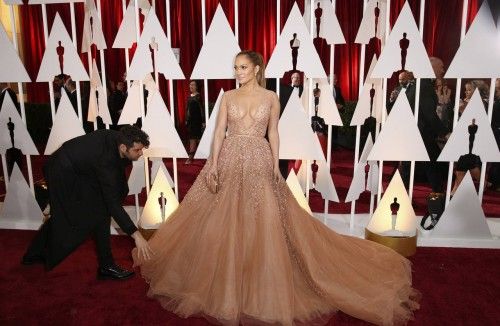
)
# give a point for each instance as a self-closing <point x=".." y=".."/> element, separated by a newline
<point x="394" y="95"/>
<point x="143" y="249"/>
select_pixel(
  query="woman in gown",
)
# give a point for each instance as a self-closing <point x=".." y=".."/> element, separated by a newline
<point x="249" y="254"/>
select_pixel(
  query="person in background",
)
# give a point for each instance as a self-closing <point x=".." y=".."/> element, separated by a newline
<point x="340" y="101"/>
<point x="194" y="119"/>
<point x="494" y="172"/>
<point x="116" y="102"/>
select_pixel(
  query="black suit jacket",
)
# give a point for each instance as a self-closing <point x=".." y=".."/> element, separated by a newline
<point x="285" y="93"/>
<point x="495" y="121"/>
<point x="87" y="183"/>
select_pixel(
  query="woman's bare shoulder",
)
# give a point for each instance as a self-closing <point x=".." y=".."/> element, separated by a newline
<point x="270" y="94"/>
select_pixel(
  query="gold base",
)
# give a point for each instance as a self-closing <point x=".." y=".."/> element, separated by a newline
<point x="147" y="233"/>
<point x="406" y="246"/>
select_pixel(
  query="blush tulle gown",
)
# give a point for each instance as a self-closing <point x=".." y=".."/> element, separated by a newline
<point x="251" y="255"/>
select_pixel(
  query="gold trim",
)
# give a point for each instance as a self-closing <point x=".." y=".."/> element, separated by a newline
<point x="406" y="246"/>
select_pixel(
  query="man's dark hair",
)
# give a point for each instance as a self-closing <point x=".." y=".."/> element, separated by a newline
<point x="131" y="134"/>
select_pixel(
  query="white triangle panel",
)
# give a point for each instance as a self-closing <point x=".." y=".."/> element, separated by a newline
<point x="158" y="165"/>
<point x="137" y="179"/>
<point x="151" y="216"/>
<point x="359" y="177"/>
<point x="400" y="139"/>
<point x="205" y="145"/>
<point x="65" y="126"/>
<point x="406" y="222"/>
<point x="22" y="138"/>
<point x="50" y="65"/>
<point x="417" y="59"/>
<point x="369" y="78"/>
<point x="366" y="29"/>
<point x="132" y="107"/>
<point x="302" y="175"/>
<point x="485" y="145"/>
<point x="219" y="49"/>
<point x="329" y="28"/>
<point x="481" y="46"/>
<point x="165" y="141"/>
<point x="362" y="110"/>
<point x="165" y="62"/>
<point x="463" y="218"/>
<point x="92" y="33"/>
<point x="297" y="139"/>
<point x="308" y="60"/>
<point x="327" y="108"/>
<point x="126" y="35"/>
<point x="93" y="106"/>
<point x="324" y="182"/>
<point x="98" y="104"/>
<point x="19" y="205"/>
<point x="372" y="179"/>
<point x="36" y="2"/>
<point x="10" y="61"/>
<point x="294" y="185"/>
<point x="357" y="184"/>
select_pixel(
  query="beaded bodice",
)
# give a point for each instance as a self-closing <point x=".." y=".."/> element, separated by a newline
<point x="248" y="120"/>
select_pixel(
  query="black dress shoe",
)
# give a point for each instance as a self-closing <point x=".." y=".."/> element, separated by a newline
<point x="113" y="272"/>
<point x="31" y="260"/>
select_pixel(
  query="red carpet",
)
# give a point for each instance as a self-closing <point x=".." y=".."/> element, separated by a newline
<point x="459" y="287"/>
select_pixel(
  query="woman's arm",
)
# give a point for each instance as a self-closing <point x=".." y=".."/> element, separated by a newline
<point x="272" y="132"/>
<point x="219" y="132"/>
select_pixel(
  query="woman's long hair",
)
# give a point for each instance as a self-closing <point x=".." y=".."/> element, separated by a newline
<point x="257" y="60"/>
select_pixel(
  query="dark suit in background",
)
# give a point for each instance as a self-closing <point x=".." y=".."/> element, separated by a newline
<point x="340" y="101"/>
<point x="494" y="173"/>
<point x="116" y="102"/>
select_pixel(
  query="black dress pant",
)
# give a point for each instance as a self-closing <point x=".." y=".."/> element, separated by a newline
<point x="40" y="247"/>
<point x="71" y="221"/>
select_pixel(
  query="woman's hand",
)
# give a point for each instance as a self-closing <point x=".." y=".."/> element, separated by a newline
<point x="276" y="173"/>
<point x="143" y="249"/>
<point x="212" y="172"/>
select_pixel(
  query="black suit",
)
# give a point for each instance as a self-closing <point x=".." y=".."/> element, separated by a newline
<point x="337" y="95"/>
<point x="285" y="93"/>
<point x="87" y="184"/>
<point x="116" y="102"/>
<point x="73" y="99"/>
<point x="494" y="173"/>
<point x="12" y="96"/>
